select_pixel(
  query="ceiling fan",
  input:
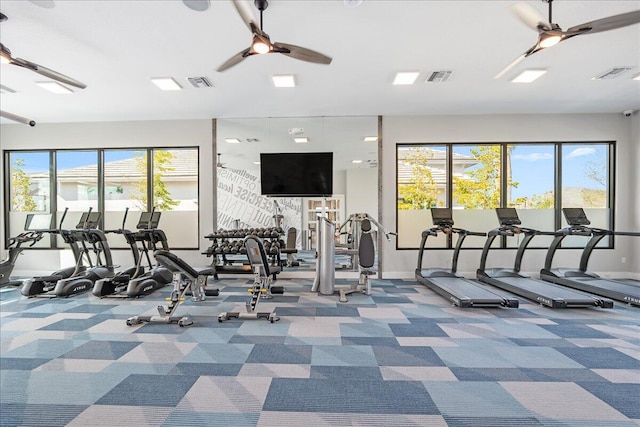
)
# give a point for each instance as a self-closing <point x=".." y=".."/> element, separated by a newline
<point x="6" y="58"/>
<point x="262" y="44"/>
<point x="550" y="34"/>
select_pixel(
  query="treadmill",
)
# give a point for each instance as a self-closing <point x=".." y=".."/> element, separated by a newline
<point x="459" y="291"/>
<point x="580" y="278"/>
<point x="512" y="280"/>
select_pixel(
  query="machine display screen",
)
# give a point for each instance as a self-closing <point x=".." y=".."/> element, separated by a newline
<point x="442" y="216"/>
<point x="575" y="216"/>
<point x="37" y="222"/>
<point x="508" y="216"/>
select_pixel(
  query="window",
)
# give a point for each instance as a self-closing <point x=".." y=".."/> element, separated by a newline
<point x="474" y="179"/>
<point x="29" y="190"/>
<point x="108" y="181"/>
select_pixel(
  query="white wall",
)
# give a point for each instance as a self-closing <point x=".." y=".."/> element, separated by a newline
<point x="499" y="128"/>
<point x="178" y="133"/>
<point x="517" y="128"/>
<point x="362" y="192"/>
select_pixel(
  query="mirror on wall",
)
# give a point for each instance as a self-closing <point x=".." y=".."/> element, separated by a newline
<point x="354" y="144"/>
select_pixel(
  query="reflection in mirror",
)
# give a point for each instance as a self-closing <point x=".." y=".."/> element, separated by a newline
<point x="354" y="144"/>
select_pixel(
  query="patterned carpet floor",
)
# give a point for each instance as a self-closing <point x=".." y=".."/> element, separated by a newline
<point x="400" y="357"/>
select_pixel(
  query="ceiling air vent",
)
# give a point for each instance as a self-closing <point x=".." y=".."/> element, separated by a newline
<point x="612" y="73"/>
<point x="439" y="76"/>
<point x="252" y="140"/>
<point x="199" y="82"/>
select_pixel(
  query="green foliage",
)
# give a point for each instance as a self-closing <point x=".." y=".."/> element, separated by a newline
<point x="422" y="192"/>
<point x="537" y="201"/>
<point x="21" y="197"/>
<point x="480" y="187"/>
<point x="161" y="195"/>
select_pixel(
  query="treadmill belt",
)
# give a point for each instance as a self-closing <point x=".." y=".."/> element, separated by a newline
<point x="548" y="291"/>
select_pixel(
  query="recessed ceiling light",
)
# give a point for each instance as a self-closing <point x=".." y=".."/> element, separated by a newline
<point x="232" y="140"/>
<point x="527" y="76"/>
<point x="406" y="78"/>
<point x="166" y="83"/>
<point x="256" y="163"/>
<point x="636" y="77"/>
<point x="55" y="87"/>
<point x="370" y="139"/>
<point x="284" y="80"/>
<point x="301" y="139"/>
<point x="357" y="162"/>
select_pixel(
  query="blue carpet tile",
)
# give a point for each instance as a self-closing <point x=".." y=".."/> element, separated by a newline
<point x="402" y="356"/>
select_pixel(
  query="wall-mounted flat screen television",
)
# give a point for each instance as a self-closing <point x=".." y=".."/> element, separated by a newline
<point x="296" y="174"/>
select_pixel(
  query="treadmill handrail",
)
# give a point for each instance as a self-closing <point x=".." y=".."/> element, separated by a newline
<point x="445" y="228"/>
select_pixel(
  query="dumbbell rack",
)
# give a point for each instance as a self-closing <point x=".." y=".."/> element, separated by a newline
<point x="230" y="256"/>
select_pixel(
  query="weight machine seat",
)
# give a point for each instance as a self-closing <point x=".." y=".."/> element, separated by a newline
<point x="174" y="263"/>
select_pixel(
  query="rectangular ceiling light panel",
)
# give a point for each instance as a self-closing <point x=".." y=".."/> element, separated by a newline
<point x="406" y="78"/>
<point x="528" y="76"/>
<point x="166" y="83"/>
<point x="55" y="87"/>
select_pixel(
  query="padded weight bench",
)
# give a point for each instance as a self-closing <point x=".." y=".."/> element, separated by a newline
<point x="186" y="280"/>
<point x="262" y="288"/>
<point x="366" y="260"/>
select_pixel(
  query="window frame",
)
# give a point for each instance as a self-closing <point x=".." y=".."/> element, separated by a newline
<point x="610" y="147"/>
<point x="53" y="191"/>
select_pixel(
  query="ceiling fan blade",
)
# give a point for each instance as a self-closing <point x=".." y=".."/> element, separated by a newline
<point x="530" y="16"/>
<point x="248" y="15"/>
<point x="510" y="66"/>
<point x="47" y="72"/>
<point x="235" y="59"/>
<point x="197" y="5"/>
<point x="609" y="23"/>
<point x="301" y="53"/>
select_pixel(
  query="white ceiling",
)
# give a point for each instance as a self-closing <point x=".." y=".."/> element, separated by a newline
<point x="114" y="47"/>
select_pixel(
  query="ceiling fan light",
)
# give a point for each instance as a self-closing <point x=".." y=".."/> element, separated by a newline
<point x="550" y="40"/>
<point x="260" y="47"/>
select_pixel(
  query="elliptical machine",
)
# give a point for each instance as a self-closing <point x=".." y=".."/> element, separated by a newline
<point x="134" y="281"/>
<point x="77" y="279"/>
<point x="35" y="225"/>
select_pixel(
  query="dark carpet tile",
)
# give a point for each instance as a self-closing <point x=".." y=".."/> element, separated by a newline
<point x="542" y="342"/>
<point x="339" y="311"/>
<point x="280" y="353"/>
<point x="297" y="311"/>
<point x="149" y="390"/>
<point x="346" y="373"/>
<point x="600" y="358"/>
<point x="257" y="339"/>
<point x="406" y="356"/>
<point x="379" y="341"/>
<point x="72" y="325"/>
<point x="490" y="374"/>
<point x="625" y="397"/>
<point x="492" y="421"/>
<point x="350" y="396"/>
<point x="575" y="331"/>
<point x="207" y="369"/>
<point x="392" y="299"/>
<point x="563" y="375"/>
<point x="21" y="363"/>
<point x="426" y="329"/>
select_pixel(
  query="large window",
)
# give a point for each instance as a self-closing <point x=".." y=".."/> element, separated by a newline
<point x="29" y="190"/>
<point x="108" y="181"/>
<point x="474" y="179"/>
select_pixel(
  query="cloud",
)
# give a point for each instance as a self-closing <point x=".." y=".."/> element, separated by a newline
<point x="584" y="151"/>
<point x="533" y="157"/>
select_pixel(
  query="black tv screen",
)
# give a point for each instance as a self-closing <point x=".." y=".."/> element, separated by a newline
<point x="296" y="174"/>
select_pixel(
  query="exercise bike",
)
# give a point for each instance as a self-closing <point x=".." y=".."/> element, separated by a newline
<point x="35" y="225"/>
<point x="134" y="281"/>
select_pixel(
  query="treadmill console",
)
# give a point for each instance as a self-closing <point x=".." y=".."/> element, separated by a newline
<point x="508" y="216"/>
<point x="575" y="217"/>
<point x="148" y="220"/>
<point x="442" y="217"/>
<point x="89" y="220"/>
<point x="38" y="222"/>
